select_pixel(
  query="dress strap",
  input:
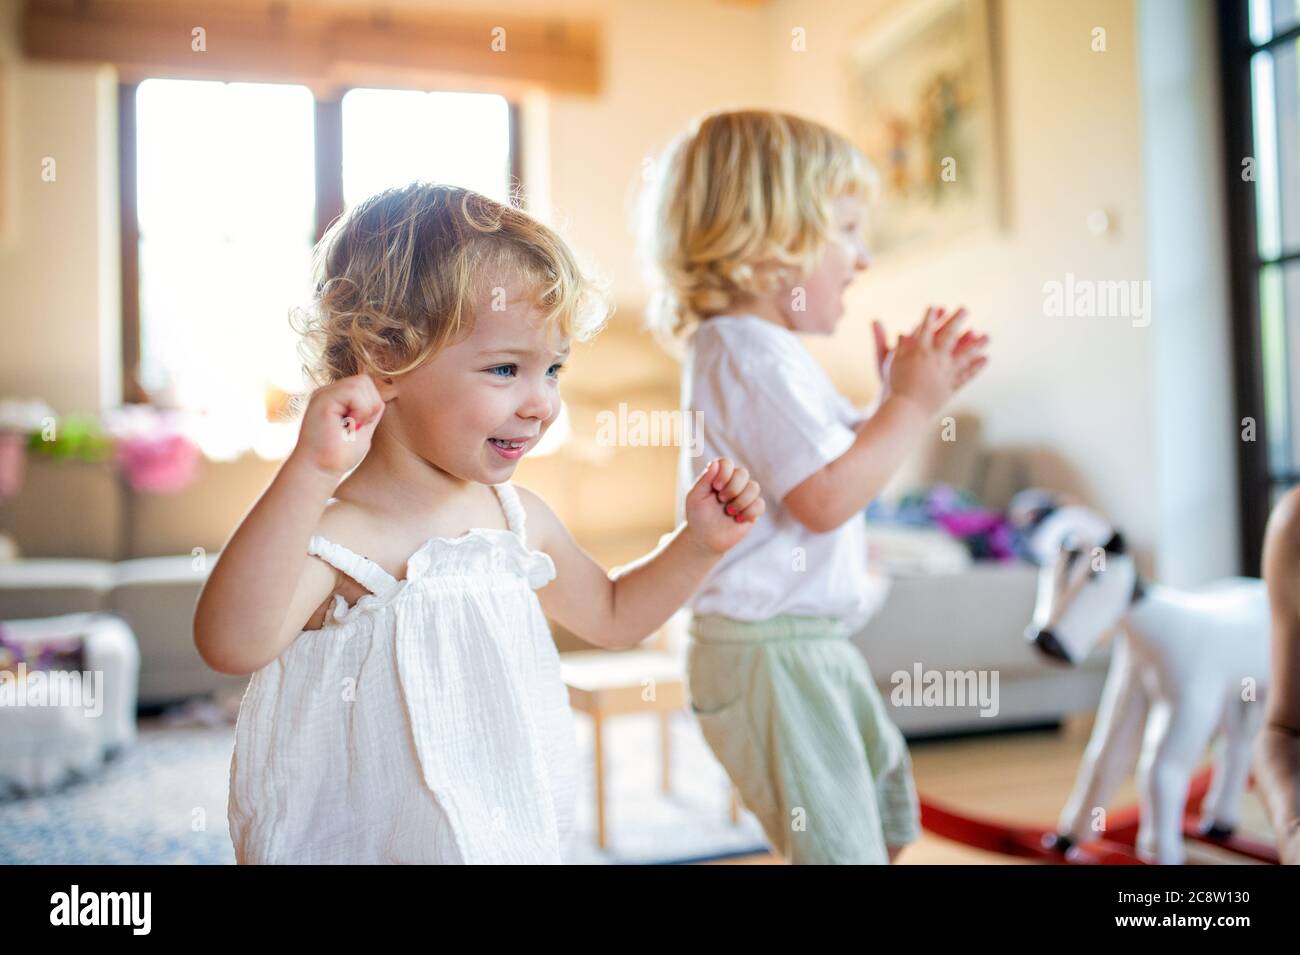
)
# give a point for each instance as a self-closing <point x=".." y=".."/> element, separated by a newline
<point x="361" y="569"/>
<point x="514" y="508"/>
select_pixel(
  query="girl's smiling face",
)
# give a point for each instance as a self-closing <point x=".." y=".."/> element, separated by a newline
<point x="480" y="404"/>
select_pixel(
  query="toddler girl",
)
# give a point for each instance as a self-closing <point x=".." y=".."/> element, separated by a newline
<point x="405" y="702"/>
<point x="757" y="231"/>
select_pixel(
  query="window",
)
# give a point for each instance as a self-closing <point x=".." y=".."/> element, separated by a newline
<point x="225" y="211"/>
<point x="1260" y="41"/>
<point x="232" y="184"/>
<point x="393" y="136"/>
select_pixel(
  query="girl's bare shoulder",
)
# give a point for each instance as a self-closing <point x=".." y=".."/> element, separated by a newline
<point x="543" y="523"/>
<point x="349" y="525"/>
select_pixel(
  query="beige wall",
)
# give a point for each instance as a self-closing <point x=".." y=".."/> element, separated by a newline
<point x="59" y="258"/>
<point x="1187" y="236"/>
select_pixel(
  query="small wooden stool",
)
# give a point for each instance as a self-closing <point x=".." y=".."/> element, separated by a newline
<point x="607" y="683"/>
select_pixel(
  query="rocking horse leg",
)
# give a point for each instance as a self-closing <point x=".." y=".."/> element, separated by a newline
<point x="1110" y="754"/>
<point x="1176" y="737"/>
<point x="1221" y="810"/>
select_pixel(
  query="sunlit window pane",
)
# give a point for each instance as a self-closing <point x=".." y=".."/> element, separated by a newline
<point x="391" y="137"/>
<point x="1277" y="377"/>
<point x="219" y="315"/>
<point x="1271" y="17"/>
<point x="1286" y="105"/>
<point x="226" y="212"/>
<point x="1263" y="91"/>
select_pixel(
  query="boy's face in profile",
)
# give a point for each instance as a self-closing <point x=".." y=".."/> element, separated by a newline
<point x="823" y="289"/>
<point x="480" y="404"/>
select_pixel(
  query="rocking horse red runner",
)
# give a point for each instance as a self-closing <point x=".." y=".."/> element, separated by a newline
<point x="1116" y="847"/>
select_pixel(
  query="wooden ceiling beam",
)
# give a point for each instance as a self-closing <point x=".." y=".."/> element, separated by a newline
<point x="320" y="47"/>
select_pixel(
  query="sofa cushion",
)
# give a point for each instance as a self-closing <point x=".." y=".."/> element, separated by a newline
<point x="48" y="586"/>
<point x="975" y="619"/>
<point x="898" y="550"/>
<point x="180" y="569"/>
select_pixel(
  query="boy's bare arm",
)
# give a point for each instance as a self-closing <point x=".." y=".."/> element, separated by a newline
<point x="848" y="484"/>
<point x="918" y="377"/>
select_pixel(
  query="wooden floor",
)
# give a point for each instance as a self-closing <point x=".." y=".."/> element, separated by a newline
<point x="1020" y="777"/>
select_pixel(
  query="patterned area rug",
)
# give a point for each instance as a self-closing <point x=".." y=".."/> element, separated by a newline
<point x="164" y="802"/>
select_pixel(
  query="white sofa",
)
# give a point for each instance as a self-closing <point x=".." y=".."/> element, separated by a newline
<point x="971" y="620"/>
<point x="80" y="721"/>
<point x="154" y="596"/>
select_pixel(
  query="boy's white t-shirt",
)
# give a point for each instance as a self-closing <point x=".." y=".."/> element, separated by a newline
<point x="758" y="397"/>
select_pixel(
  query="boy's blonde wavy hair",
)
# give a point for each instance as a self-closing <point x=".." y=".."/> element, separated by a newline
<point x="398" y="277"/>
<point x="742" y="202"/>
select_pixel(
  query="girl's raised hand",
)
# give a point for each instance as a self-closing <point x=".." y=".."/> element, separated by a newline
<point x="338" y="424"/>
<point x="722" y="505"/>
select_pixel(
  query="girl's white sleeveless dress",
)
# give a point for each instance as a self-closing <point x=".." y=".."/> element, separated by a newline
<point x="426" y="723"/>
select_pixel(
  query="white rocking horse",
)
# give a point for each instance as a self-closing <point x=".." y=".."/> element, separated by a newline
<point x="1186" y="664"/>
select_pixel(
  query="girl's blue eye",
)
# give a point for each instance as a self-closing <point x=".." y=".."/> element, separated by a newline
<point x="509" y="371"/>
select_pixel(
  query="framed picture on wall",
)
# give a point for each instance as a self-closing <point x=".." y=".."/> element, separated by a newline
<point x="923" y="108"/>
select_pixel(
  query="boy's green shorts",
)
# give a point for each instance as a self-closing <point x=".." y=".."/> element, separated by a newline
<point x="790" y="709"/>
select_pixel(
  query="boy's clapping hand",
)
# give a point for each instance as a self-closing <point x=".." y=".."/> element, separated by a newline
<point x="928" y="365"/>
<point x="722" y="505"/>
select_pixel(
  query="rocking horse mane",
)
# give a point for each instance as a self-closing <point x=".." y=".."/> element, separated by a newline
<point x="1118" y="545"/>
<point x="1031" y="509"/>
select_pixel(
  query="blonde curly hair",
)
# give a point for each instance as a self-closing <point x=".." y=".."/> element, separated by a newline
<point x="399" y="276"/>
<point x="741" y="203"/>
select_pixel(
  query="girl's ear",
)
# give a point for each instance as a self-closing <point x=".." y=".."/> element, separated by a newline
<point x="386" y="386"/>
